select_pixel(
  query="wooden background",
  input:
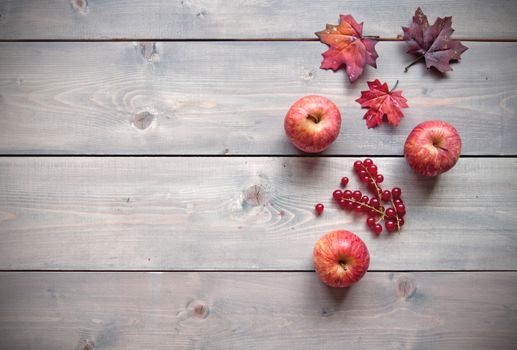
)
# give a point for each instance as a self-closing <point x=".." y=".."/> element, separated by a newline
<point x="149" y="198"/>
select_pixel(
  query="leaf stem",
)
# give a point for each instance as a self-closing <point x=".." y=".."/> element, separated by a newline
<point x="413" y="62"/>
<point x="395" y="86"/>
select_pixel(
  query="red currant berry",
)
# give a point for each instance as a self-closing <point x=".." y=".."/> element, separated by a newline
<point x="401" y="209"/>
<point x="347" y="194"/>
<point x="370" y="222"/>
<point x="357" y="195"/>
<point x="337" y="194"/>
<point x="396" y="192"/>
<point x="365" y="199"/>
<point x="379" y="178"/>
<point x="386" y="195"/>
<point x="401" y="222"/>
<point x="374" y="202"/>
<point x="349" y="205"/>
<point x="398" y="201"/>
<point x="390" y="212"/>
<point x="390" y="225"/>
<point x="358" y="165"/>
<point x="377" y="229"/>
<point x="365" y="179"/>
<point x="319" y="208"/>
<point x="344" y="181"/>
<point x="372" y="169"/>
<point x="372" y="187"/>
<point x="367" y="162"/>
<point x="362" y="173"/>
<point x="358" y="208"/>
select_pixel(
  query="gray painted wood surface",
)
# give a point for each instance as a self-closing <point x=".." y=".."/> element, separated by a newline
<point x="243" y="213"/>
<point x="149" y="96"/>
<point x="231" y="98"/>
<point x="257" y="311"/>
<point x="202" y="19"/>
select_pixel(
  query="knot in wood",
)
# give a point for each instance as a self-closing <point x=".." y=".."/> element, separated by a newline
<point x="143" y="120"/>
<point x="405" y="286"/>
<point x="80" y="6"/>
<point x="198" y="309"/>
<point x="88" y="346"/>
<point x="256" y="195"/>
<point x="148" y="51"/>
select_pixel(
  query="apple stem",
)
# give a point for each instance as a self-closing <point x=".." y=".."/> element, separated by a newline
<point x="371" y="36"/>
<point x="313" y="118"/>
<point x="413" y="62"/>
<point x="442" y="148"/>
<point x="395" y="86"/>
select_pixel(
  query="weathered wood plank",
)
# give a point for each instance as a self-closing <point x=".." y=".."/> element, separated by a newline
<point x="187" y="19"/>
<point x="231" y="98"/>
<point x="256" y="311"/>
<point x="243" y="213"/>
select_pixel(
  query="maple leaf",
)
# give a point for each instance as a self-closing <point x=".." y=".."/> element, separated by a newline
<point x="433" y="43"/>
<point x="382" y="102"/>
<point x="347" y="47"/>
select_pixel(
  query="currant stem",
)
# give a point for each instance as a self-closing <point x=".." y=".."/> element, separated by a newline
<point x="413" y="62"/>
<point x="395" y="86"/>
<point x="378" y="190"/>
<point x="366" y="205"/>
<point x="396" y="215"/>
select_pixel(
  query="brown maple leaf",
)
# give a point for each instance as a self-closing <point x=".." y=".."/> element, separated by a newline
<point x="433" y="43"/>
<point x="347" y="47"/>
<point x="381" y="102"/>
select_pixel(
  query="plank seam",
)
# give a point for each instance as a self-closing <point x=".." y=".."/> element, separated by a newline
<point x="488" y="40"/>
<point x="243" y="271"/>
<point x="503" y="156"/>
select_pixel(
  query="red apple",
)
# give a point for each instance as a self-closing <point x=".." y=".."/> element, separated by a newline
<point x="432" y="148"/>
<point x="340" y="258"/>
<point x="312" y="123"/>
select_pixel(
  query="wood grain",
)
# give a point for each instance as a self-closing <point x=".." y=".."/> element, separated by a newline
<point x="256" y="311"/>
<point x="231" y="98"/>
<point x="174" y="213"/>
<point x="202" y="19"/>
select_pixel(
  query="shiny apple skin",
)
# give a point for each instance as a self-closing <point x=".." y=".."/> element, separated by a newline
<point x="306" y="134"/>
<point x="340" y="246"/>
<point x="432" y="148"/>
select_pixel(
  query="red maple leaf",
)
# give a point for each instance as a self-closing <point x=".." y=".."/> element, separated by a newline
<point x="347" y="47"/>
<point x="433" y="43"/>
<point x="382" y="102"/>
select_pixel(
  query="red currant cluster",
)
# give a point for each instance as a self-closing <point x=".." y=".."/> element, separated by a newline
<point x="393" y="216"/>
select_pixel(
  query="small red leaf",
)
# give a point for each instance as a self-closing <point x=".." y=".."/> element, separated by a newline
<point x="433" y="43"/>
<point x="381" y="102"/>
<point x="347" y="47"/>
